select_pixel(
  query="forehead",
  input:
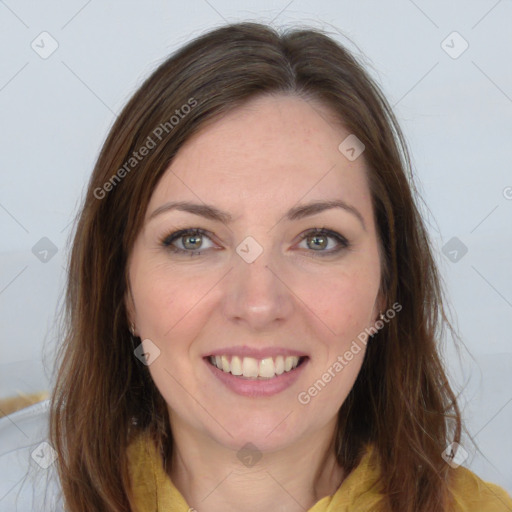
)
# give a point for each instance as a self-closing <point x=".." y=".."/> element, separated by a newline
<point x="275" y="150"/>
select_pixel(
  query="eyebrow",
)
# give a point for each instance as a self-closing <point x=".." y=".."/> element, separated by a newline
<point x="295" y="213"/>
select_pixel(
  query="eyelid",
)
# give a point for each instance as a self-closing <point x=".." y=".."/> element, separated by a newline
<point x="168" y="239"/>
<point x="343" y="242"/>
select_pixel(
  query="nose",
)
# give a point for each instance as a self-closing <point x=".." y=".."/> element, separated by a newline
<point x="257" y="293"/>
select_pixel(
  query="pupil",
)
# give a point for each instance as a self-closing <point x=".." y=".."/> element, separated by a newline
<point x="321" y="245"/>
<point x="195" y="238"/>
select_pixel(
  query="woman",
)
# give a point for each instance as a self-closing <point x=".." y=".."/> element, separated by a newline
<point x="253" y="306"/>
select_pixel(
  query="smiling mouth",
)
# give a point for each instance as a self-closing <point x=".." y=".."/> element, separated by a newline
<point x="256" y="369"/>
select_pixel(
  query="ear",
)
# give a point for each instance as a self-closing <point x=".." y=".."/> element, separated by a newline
<point x="380" y="305"/>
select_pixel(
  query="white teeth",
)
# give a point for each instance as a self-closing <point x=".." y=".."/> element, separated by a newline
<point x="294" y="360"/>
<point x="279" y="365"/>
<point x="267" y="368"/>
<point x="253" y="368"/>
<point x="236" y="366"/>
<point x="250" y="367"/>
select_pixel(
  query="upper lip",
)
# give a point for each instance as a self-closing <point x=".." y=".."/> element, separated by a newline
<point x="256" y="353"/>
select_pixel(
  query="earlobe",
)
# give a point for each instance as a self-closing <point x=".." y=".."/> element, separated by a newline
<point x="381" y="308"/>
<point x="131" y="324"/>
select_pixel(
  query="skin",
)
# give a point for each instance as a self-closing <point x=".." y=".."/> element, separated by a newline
<point x="257" y="162"/>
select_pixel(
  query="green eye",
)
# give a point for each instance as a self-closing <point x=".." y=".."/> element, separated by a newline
<point x="321" y="236"/>
<point x="192" y="239"/>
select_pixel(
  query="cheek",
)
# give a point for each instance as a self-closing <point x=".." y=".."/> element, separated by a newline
<point x="330" y="387"/>
<point x="167" y="304"/>
<point x="164" y="297"/>
<point x="342" y="302"/>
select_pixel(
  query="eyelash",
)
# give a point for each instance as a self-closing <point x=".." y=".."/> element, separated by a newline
<point x="167" y="240"/>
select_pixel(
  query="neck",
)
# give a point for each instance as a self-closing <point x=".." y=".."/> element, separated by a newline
<point x="211" y="478"/>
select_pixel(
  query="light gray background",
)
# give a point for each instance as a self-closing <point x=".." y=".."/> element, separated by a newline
<point x="456" y="114"/>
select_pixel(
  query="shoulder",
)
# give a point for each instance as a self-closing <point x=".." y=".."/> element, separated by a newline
<point x="29" y="477"/>
<point x="469" y="492"/>
<point x="472" y="494"/>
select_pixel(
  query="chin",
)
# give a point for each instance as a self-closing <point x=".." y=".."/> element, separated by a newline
<point x="269" y="435"/>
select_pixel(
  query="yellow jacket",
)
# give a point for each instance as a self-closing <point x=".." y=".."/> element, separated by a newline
<point x="154" y="490"/>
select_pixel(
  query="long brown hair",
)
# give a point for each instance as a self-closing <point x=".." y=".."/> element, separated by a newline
<point x="401" y="401"/>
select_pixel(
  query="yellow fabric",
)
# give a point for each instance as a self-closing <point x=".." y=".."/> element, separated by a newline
<point x="155" y="492"/>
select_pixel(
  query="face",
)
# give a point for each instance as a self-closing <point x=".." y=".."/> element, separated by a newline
<point x="256" y="291"/>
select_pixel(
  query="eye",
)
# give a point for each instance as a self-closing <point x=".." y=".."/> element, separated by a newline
<point x="190" y="239"/>
<point x="320" y="241"/>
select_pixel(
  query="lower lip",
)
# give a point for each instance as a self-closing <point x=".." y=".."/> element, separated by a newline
<point x="257" y="387"/>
